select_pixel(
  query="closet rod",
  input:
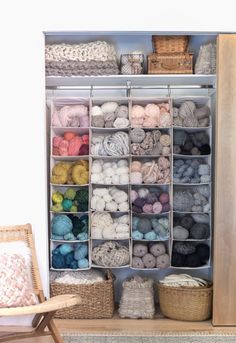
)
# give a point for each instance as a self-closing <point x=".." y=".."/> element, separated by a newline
<point x="131" y="87"/>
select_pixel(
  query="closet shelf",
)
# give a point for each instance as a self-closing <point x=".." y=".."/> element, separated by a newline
<point x="137" y="80"/>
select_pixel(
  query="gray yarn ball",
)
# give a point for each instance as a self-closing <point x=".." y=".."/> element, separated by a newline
<point x="157" y="249"/>
<point x="186" y="109"/>
<point x="122" y="111"/>
<point x="163" y="261"/>
<point x="184" y="248"/>
<point x="140" y="250"/>
<point x="149" y="261"/>
<point x="137" y="262"/>
<point x="179" y="137"/>
<point x="201" y="218"/>
<point x="183" y="201"/>
<point x="137" y="135"/>
<point x="200" y="231"/>
<point x="144" y="225"/>
<point x="187" y="222"/>
<point x="202" y="112"/>
<point x="180" y="233"/>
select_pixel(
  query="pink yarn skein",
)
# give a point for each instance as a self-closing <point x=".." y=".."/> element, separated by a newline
<point x="147" y="208"/>
<point x="63" y="148"/>
<point x="84" y="121"/>
<point x="152" y="111"/>
<point x="136" y="178"/>
<point x="137" y="111"/>
<point x="157" y="207"/>
<point x="56" y="141"/>
<point x="136" y="166"/>
<point x="74" y="146"/>
<point x="133" y="195"/>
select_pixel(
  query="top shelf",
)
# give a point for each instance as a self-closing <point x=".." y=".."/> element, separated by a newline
<point x="136" y="80"/>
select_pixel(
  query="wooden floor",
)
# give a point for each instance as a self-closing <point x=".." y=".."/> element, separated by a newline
<point x="118" y="326"/>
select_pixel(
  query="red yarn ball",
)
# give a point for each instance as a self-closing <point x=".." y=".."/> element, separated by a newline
<point x="84" y="149"/>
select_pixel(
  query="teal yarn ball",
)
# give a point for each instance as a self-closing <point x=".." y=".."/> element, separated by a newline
<point x="137" y="235"/>
<point x="144" y="225"/>
<point x="74" y="265"/>
<point x="58" y="261"/>
<point x="57" y="237"/>
<point x="66" y="204"/>
<point x="83" y="263"/>
<point x="65" y="248"/>
<point x="83" y="236"/>
<point x="81" y="252"/>
<point x="61" y="225"/>
<point x="150" y="235"/>
<point x="69" y="236"/>
<point x="69" y="258"/>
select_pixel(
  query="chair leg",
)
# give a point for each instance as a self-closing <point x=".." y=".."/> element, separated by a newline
<point x="55" y="333"/>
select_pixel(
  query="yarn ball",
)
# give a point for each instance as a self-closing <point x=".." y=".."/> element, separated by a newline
<point x="180" y="233"/>
<point x="83" y="263"/>
<point x="178" y="260"/>
<point x="193" y="261"/>
<point x="83" y="236"/>
<point x="164" y="222"/>
<point x="157" y="249"/>
<point x="69" y="258"/>
<point x="61" y="225"/>
<point x="136" y="166"/>
<point x="65" y="249"/>
<point x="144" y="225"/>
<point x="180" y="137"/>
<point x="58" y="261"/>
<point x="70" y="193"/>
<point x="151" y="198"/>
<point x="109" y="107"/>
<point x="66" y="204"/>
<point x="143" y="192"/>
<point x="137" y="111"/>
<point x="136" y="209"/>
<point x="139" y="202"/>
<point x="183" y="201"/>
<point x="201" y="218"/>
<point x="187" y="222"/>
<point x="137" y="262"/>
<point x="98" y="121"/>
<point x="57" y="197"/>
<point x="81" y="252"/>
<point x="136" y="235"/>
<point x="184" y="248"/>
<point x="200" y="231"/>
<point x="149" y="261"/>
<point x="205" y="149"/>
<point x="74" y="265"/>
<point x="84" y="121"/>
<point x="186" y="109"/>
<point x="96" y="111"/>
<point x="150" y="235"/>
<point x="136" y="178"/>
<point x="69" y="236"/>
<point x="163" y="261"/>
<point x="135" y="221"/>
<point x="166" y="207"/>
<point x="84" y="149"/>
<point x="140" y="250"/>
<point x="164" y="198"/>
<point x="157" y="207"/>
<point x="203" y="252"/>
<point x="122" y="111"/>
<point x="147" y="208"/>
<point x="137" y="135"/>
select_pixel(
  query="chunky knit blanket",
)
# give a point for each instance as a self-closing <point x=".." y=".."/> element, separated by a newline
<point x="94" y="58"/>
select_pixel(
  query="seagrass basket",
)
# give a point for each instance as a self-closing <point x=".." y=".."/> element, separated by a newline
<point x="97" y="299"/>
<point x="186" y="303"/>
<point x="181" y="63"/>
<point x="170" y="44"/>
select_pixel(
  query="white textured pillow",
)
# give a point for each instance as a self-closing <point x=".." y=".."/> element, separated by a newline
<point x="15" y="275"/>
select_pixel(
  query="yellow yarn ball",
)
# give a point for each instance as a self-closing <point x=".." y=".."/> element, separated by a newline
<point x="57" y="198"/>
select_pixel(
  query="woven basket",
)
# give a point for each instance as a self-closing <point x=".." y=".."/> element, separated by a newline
<point x="186" y="303"/>
<point x="170" y="64"/>
<point x="170" y="44"/>
<point x="97" y="299"/>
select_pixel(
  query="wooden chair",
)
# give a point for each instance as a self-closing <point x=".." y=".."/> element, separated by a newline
<point x="43" y="312"/>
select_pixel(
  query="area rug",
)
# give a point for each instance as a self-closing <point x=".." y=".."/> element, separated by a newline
<point x="178" y="338"/>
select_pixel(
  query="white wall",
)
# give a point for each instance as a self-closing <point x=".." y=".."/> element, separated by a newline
<point x="22" y="136"/>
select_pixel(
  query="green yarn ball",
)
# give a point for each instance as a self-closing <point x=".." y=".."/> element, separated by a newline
<point x="70" y="194"/>
<point x="67" y="204"/>
<point x="61" y="225"/>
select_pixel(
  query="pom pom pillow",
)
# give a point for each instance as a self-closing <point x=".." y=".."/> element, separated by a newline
<point x="15" y="275"/>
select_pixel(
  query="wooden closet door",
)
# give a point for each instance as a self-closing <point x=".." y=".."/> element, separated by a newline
<point x="224" y="271"/>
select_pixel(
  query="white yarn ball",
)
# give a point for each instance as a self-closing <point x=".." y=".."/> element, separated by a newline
<point x="123" y="207"/>
<point x="109" y="233"/>
<point x="111" y="206"/>
<point x="107" y="198"/>
<point x="115" y="179"/>
<point x="122" y="163"/>
<point x="120" y="197"/>
<point x="100" y="205"/>
<point x="123" y="219"/>
<point x="108" y="172"/>
<point x="124" y="179"/>
<point x="106" y="165"/>
<point x="96" y="232"/>
<point x="143" y="192"/>
<point x="136" y="178"/>
<point x="114" y="165"/>
<point x="122" y="235"/>
<point x="121" y="123"/>
<point x="122" y="170"/>
<point x="96" y="111"/>
<point x="108" y="180"/>
<point x="122" y="228"/>
<point x="96" y="168"/>
<point x="113" y="191"/>
<point x="100" y="191"/>
<point x="109" y="107"/>
<point x="95" y="178"/>
<point x="94" y="200"/>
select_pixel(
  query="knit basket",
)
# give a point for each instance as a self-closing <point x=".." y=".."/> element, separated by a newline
<point x="181" y="63"/>
<point x="97" y="299"/>
<point x="170" y="44"/>
<point x="206" y="60"/>
<point x="186" y="303"/>
<point x="137" y="300"/>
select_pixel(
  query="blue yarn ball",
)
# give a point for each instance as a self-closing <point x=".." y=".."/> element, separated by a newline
<point x="61" y="225"/>
<point x="58" y="261"/>
<point x="150" y="235"/>
<point x="74" y="265"/>
<point x="83" y="263"/>
<point x="69" y="236"/>
<point x="137" y="235"/>
<point x="82" y="236"/>
<point x="135" y="221"/>
<point x="81" y="252"/>
<point x="66" y="204"/>
<point x="65" y="248"/>
<point x="69" y="258"/>
<point x="57" y="237"/>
